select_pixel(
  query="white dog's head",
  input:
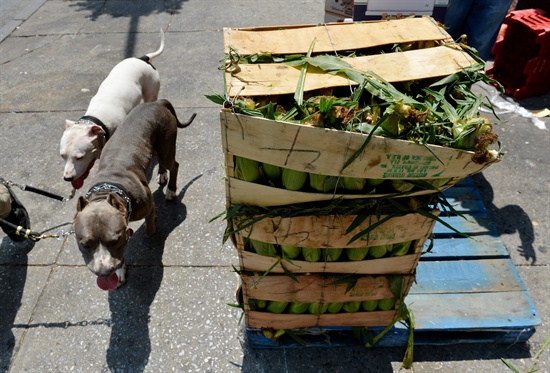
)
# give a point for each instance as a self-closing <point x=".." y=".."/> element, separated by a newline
<point x="80" y="146"/>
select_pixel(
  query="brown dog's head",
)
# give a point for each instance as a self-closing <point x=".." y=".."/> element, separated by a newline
<point x="102" y="233"/>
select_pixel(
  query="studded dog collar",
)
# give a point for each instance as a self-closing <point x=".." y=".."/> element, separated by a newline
<point x="115" y="189"/>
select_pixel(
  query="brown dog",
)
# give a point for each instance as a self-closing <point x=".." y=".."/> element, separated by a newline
<point x="120" y="191"/>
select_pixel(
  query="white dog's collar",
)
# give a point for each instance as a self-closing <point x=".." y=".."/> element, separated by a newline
<point x="112" y="188"/>
<point x="91" y="121"/>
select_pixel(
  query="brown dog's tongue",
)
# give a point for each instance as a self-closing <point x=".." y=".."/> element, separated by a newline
<point x="108" y="283"/>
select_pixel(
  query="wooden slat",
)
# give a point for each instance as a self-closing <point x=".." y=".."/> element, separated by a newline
<point x="398" y="265"/>
<point x="466" y="248"/>
<point x="282" y="40"/>
<point x="240" y="192"/>
<point x="277" y="79"/>
<point x="467" y="276"/>
<point x="473" y="311"/>
<point x="330" y="230"/>
<point x="473" y="225"/>
<point x="324" y="151"/>
<point x="317" y="288"/>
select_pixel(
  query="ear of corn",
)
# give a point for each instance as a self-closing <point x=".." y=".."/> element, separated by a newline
<point x="354" y="184"/>
<point x="334" y="307"/>
<point x="273" y="173"/>
<point x="401" y="248"/>
<point x="292" y="179"/>
<point x="263" y="248"/>
<point x="351" y="306"/>
<point x="374" y="182"/>
<point x="276" y="307"/>
<point x="369" y="305"/>
<point x="247" y="169"/>
<point x="323" y="183"/>
<point x="291" y="252"/>
<point x="317" y="308"/>
<point x="379" y="251"/>
<point x="438" y="183"/>
<point x="257" y="304"/>
<point x="298" y="307"/>
<point x="332" y="254"/>
<point x="311" y="254"/>
<point x="357" y="253"/>
<point x="386" y="304"/>
<point x="401" y="185"/>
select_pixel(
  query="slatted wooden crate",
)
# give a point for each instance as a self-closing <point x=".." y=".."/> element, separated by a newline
<point x="325" y="151"/>
<point x="318" y="289"/>
<point x="466" y="291"/>
<point x="329" y="231"/>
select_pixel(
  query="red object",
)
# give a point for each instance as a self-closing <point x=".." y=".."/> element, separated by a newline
<point x="108" y="283"/>
<point x="522" y="54"/>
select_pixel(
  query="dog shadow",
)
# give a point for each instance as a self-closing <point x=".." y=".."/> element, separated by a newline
<point x="12" y="277"/>
<point x="130" y="345"/>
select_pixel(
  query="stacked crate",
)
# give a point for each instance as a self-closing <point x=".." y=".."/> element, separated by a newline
<point x="522" y="54"/>
<point x="324" y="151"/>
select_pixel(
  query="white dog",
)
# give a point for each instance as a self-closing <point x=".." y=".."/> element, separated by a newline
<point x="131" y="81"/>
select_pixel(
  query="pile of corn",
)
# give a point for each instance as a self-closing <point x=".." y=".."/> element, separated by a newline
<point x="437" y="110"/>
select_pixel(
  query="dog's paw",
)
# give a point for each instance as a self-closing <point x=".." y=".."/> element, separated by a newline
<point x="162" y="178"/>
<point x="170" y="194"/>
<point x="121" y="273"/>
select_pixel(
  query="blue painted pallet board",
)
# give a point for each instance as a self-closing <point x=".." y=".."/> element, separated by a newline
<point x="467" y="291"/>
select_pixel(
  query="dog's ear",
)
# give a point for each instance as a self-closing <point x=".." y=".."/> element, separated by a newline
<point x="116" y="203"/>
<point x="82" y="202"/>
<point x="68" y="124"/>
<point x="129" y="232"/>
<point x="95" y="130"/>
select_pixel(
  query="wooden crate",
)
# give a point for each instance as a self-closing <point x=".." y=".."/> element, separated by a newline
<point x="324" y="151"/>
<point x="317" y="289"/>
<point x="437" y="57"/>
<point x="329" y="232"/>
<point x="466" y="291"/>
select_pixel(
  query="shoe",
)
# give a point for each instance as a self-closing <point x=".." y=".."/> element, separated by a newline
<point x="18" y="217"/>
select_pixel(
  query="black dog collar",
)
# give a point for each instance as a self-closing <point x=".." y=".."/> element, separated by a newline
<point x="94" y="120"/>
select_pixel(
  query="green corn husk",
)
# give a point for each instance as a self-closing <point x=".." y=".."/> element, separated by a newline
<point x="357" y="253"/>
<point x="379" y="251"/>
<point x="438" y="183"/>
<point x="323" y="183"/>
<point x="257" y="304"/>
<point x="311" y="254"/>
<point x="273" y="173"/>
<point x="354" y="184"/>
<point x="334" y="307"/>
<point x="247" y="169"/>
<point x="374" y="182"/>
<point x="291" y="252"/>
<point x="276" y="307"/>
<point x="466" y="132"/>
<point x="263" y="248"/>
<point x="293" y="180"/>
<point x="297" y="307"/>
<point x="317" y="309"/>
<point x="401" y="248"/>
<point x="351" y="306"/>
<point x="369" y="305"/>
<point x="386" y="304"/>
<point x="332" y="254"/>
<point x="401" y="185"/>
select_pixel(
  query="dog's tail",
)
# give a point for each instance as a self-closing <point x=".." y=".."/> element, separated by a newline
<point x="167" y="104"/>
<point x="157" y="53"/>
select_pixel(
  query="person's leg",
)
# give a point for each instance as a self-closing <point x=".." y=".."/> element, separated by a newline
<point x="13" y="212"/>
<point x="483" y="24"/>
<point x="455" y="17"/>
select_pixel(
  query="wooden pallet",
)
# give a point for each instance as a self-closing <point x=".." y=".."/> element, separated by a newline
<point x="467" y="290"/>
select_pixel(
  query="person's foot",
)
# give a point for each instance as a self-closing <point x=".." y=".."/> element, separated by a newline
<point x="18" y="217"/>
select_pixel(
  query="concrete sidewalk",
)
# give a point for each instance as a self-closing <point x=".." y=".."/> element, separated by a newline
<point x="173" y="313"/>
